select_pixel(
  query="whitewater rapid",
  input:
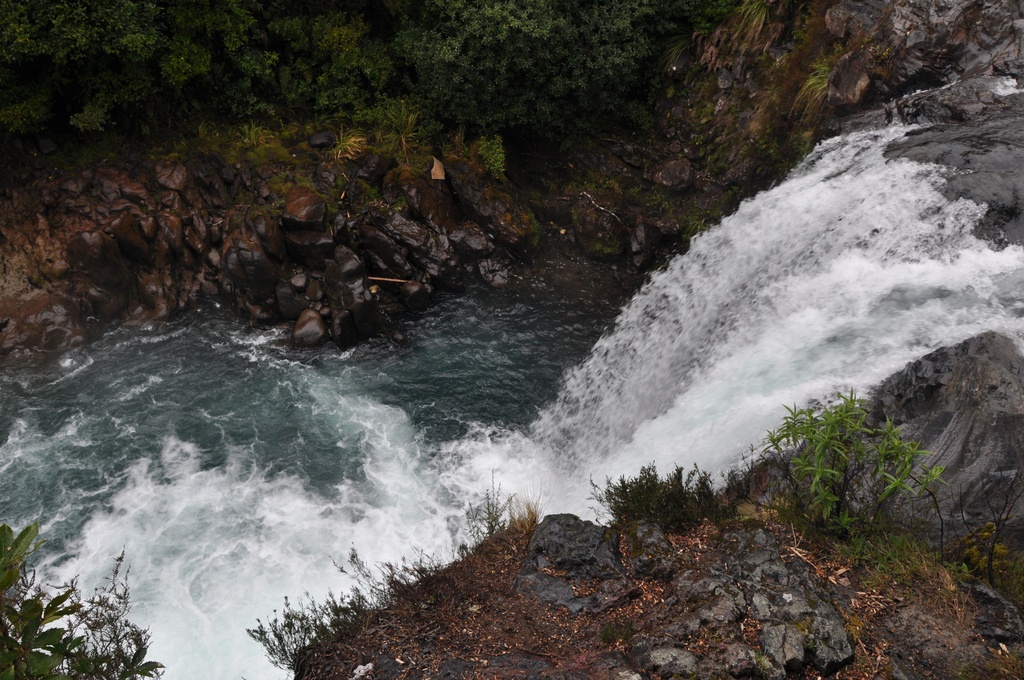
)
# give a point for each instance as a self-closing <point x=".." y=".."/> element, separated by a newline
<point x="830" y="281"/>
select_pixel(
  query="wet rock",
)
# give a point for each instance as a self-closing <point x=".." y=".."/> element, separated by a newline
<point x="849" y="81"/>
<point x="324" y="139"/>
<point x="388" y="259"/>
<point x="599" y="230"/>
<point x="987" y="153"/>
<point x="347" y="289"/>
<point x="429" y="250"/>
<point x="495" y="272"/>
<point x="415" y="296"/>
<point x="304" y="210"/>
<point x="940" y="399"/>
<point x="579" y="548"/>
<point x="492" y="208"/>
<point x="100" y="277"/>
<point x="172" y="176"/>
<point x="247" y="265"/>
<point x="343" y="328"/>
<point x="470" y="241"/>
<point x="431" y="201"/>
<point x="309" y="330"/>
<point x="130" y="239"/>
<point x="171" y="231"/>
<point x="41" y="322"/>
<point x="849" y="18"/>
<point x="289" y="303"/>
<point x="643" y="241"/>
<point x="373" y="168"/>
<point x="675" y="174"/>
<point x="310" y="248"/>
<point x="271" y="236"/>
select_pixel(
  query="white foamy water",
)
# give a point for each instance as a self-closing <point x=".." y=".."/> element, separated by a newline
<point x="232" y="472"/>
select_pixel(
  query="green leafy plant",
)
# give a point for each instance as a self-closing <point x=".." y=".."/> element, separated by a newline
<point x="814" y="92"/>
<point x="843" y="470"/>
<point x="675" y="502"/>
<point x="492" y="152"/>
<point x="57" y="635"/>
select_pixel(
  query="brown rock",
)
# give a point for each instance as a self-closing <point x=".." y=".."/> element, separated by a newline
<point x="246" y="264"/>
<point x="130" y="239"/>
<point x="172" y="176"/>
<point x="849" y="81"/>
<point x="309" y="330"/>
<point x="304" y="210"/>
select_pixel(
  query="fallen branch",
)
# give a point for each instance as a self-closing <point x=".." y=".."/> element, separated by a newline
<point x="386" y="280"/>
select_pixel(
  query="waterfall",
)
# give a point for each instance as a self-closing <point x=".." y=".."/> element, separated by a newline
<point x="232" y="471"/>
<point x="830" y="281"/>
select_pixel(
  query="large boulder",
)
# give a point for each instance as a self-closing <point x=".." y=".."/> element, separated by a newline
<point x="966" y="404"/>
<point x="309" y="330"/>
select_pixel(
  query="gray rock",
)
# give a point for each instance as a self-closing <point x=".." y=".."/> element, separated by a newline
<point x="650" y="553"/>
<point x="784" y="644"/>
<point x="670" y="661"/>
<point x="939" y="399"/>
<point x="324" y="139"/>
<point x="740" y="660"/>
<point x="832" y="649"/>
<point x="998" y="619"/>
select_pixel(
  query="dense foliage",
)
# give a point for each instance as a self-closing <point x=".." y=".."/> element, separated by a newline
<point x="54" y="634"/>
<point x="676" y="501"/>
<point x="488" y="65"/>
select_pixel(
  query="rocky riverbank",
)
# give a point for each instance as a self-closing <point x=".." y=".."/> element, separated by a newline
<point x="750" y="596"/>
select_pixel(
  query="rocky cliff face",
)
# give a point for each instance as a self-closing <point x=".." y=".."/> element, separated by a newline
<point x="138" y="243"/>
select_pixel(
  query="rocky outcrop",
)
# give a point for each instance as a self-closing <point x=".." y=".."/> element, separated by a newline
<point x="906" y="45"/>
<point x="750" y="584"/>
<point x="129" y="243"/>
<point x="966" y="404"/>
<point x="986" y="152"/>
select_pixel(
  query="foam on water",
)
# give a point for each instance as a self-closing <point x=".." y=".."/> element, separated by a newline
<point x="232" y="472"/>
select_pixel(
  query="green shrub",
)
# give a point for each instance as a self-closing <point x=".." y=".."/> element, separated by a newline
<point x="674" y="502"/>
<point x="552" y="67"/>
<point x="842" y="470"/>
<point x="492" y="153"/>
<point x="56" y="635"/>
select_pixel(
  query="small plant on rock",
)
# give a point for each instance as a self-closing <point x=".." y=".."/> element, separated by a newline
<point x="844" y="471"/>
